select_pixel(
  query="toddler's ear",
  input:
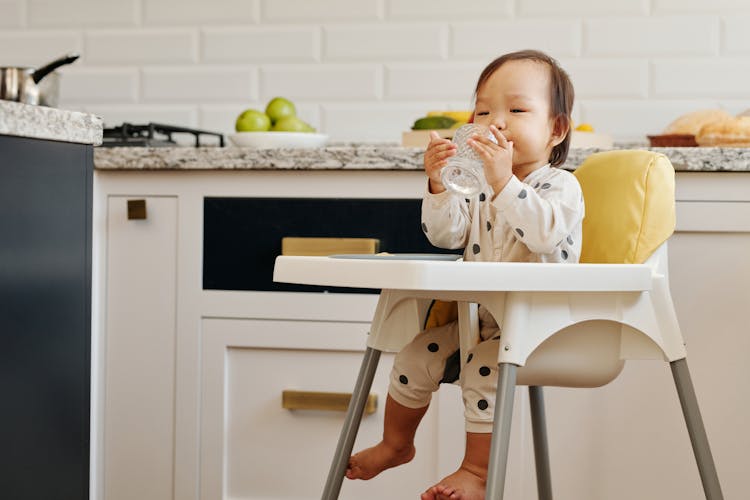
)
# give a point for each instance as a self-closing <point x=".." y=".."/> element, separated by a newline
<point x="560" y="129"/>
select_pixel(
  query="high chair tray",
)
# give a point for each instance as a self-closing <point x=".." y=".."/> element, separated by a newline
<point x="437" y="275"/>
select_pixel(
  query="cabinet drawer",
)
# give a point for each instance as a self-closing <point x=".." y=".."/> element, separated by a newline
<point x="252" y="444"/>
<point x="242" y="236"/>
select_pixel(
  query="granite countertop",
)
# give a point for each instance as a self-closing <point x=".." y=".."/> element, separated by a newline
<point x="40" y="122"/>
<point x="367" y="157"/>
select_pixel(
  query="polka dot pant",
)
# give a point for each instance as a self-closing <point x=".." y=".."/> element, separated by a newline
<point x="420" y="367"/>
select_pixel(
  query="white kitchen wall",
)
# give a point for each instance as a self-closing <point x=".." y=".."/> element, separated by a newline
<point x="363" y="70"/>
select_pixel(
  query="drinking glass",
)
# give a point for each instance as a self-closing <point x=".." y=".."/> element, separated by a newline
<point x="464" y="173"/>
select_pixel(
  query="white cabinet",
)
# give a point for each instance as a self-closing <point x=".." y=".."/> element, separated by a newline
<point x="188" y="381"/>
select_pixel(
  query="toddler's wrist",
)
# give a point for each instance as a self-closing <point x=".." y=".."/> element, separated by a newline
<point x="435" y="187"/>
<point x="499" y="185"/>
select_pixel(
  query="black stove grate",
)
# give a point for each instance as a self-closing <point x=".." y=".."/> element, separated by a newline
<point x="152" y="135"/>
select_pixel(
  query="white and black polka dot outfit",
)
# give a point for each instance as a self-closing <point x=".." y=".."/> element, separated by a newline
<point x="534" y="220"/>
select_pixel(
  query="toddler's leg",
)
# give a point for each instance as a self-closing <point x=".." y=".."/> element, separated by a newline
<point x="417" y="372"/>
<point x="397" y="446"/>
<point x="479" y="385"/>
<point x="469" y="481"/>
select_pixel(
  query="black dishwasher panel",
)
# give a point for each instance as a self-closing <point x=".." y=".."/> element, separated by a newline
<point x="242" y="236"/>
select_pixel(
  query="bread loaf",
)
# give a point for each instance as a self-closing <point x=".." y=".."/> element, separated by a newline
<point x="728" y="132"/>
<point x="692" y="123"/>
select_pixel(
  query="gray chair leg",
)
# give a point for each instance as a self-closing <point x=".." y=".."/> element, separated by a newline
<point x="541" y="450"/>
<point x="506" y="386"/>
<point x="351" y="424"/>
<point x="697" y="431"/>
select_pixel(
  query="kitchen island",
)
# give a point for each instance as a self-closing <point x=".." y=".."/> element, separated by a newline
<point x="46" y="178"/>
<point x="185" y="242"/>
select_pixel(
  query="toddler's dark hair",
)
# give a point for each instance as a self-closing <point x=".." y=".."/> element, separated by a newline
<point x="561" y="94"/>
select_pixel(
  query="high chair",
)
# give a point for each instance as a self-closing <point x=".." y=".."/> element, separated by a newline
<point x="568" y="325"/>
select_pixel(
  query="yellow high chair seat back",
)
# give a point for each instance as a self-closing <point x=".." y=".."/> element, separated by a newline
<point x="630" y="210"/>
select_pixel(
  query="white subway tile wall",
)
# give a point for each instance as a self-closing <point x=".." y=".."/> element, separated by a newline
<point x="11" y="13"/>
<point x="364" y="70"/>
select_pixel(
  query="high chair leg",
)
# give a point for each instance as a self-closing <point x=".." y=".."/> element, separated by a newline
<point x="697" y="431"/>
<point x="506" y="386"/>
<point x="351" y="424"/>
<point x="541" y="450"/>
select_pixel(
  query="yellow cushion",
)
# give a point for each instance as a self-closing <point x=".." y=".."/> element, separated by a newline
<point x="630" y="211"/>
<point x="441" y="313"/>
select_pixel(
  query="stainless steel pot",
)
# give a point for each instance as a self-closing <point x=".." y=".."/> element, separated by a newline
<point x="20" y="84"/>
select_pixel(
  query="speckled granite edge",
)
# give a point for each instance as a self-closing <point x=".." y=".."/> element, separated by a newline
<point x="39" y="122"/>
<point x="366" y="157"/>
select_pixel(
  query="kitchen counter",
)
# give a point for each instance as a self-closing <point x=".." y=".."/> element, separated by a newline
<point x="366" y="157"/>
<point x="39" y="122"/>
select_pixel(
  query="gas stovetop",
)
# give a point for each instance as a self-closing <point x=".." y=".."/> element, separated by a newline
<point x="154" y="135"/>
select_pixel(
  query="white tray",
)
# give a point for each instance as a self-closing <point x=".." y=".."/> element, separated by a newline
<point x="398" y="256"/>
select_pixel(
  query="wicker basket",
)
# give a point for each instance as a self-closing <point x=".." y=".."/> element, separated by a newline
<point x="672" y="141"/>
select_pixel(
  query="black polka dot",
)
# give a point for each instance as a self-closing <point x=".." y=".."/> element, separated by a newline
<point x="433" y="347"/>
<point x="471" y="356"/>
<point x="564" y="254"/>
<point x="424" y="227"/>
<point x="475" y="248"/>
<point x="489" y="226"/>
<point x="482" y="197"/>
<point x="484" y="371"/>
<point x="403" y="379"/>
<point x="536" y="185"/>
<point x="546" y="185"/>
<point x="482" y="404"/>
<point x="570" y="240"/>
<point x="519" y="231"/>
<point x="467" y="200"/>
<point x="522" y="194"/>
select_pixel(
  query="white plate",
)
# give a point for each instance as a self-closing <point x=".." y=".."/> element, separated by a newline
<point x="268" y="140"/>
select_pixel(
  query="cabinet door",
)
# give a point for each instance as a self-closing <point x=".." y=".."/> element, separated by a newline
<point x="45" y="317"/>
<point x="139" y="364"/>
<point x="253" y="448"/>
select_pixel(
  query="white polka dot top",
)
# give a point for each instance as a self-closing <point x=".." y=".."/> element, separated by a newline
<point x="534" y="220"/>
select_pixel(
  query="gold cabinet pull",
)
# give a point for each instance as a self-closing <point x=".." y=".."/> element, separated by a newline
<point x="328" y="246"/>
<point x="136" y="209"/>
<point x="327" y="401"/>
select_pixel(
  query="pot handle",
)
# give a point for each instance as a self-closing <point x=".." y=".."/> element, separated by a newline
<point x="49" y="68"/>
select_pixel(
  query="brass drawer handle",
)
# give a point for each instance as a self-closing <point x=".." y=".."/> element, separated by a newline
<point x="328" y="246"/>
<point x="327" y="401"/>
<point x="136" y="209"/>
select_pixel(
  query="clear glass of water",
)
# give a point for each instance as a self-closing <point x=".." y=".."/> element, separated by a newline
<point x="464" y="173"/>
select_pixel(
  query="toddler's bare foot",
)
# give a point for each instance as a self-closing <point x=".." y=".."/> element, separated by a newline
<point x="461" y="485"/>
<point x="370" y="462"/>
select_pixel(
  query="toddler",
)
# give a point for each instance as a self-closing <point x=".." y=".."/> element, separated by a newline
<point x="530" y="211"/>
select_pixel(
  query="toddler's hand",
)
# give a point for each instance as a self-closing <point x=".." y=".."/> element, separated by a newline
<point x="497" y="158"/>
<point x="435" y="158"/>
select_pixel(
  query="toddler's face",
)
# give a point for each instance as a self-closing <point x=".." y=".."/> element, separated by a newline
<point x="516" y="99"/>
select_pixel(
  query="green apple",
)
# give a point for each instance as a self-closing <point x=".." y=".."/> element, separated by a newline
<point x="291" y="124"/>
<point x="279" y="108"/>
<point x="252" y="120"/>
